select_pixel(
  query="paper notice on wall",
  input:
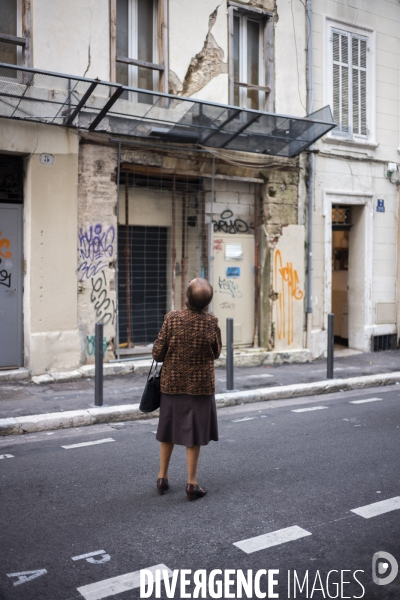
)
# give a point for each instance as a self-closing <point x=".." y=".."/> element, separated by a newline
<point x="233" y="252"/>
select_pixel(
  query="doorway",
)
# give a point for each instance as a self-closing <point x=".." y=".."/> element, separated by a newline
<point x="11" y="262"/>
<point x="341" y="226"/>
<point x="349" y="242"/>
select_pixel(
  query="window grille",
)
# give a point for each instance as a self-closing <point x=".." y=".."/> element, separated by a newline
<point x="384" y="342"/>
<point x="341" y="218"/>
<point x="162" y="245"/>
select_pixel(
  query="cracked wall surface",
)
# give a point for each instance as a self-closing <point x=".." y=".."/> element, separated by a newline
<point x="280" y="215"/>
<point x="79" y="40"/>
<point x="199" y="54"/>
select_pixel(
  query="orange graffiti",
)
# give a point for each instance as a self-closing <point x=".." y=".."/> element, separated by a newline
<point x="5" y="243"/>
<point x="286" y="282"/>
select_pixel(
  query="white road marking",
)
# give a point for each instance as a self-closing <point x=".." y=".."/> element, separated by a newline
<point x="308" y="409"/>
<point x="244" y="419"/>
<point x="88" y="443"/>
<point x="25" y="576"/>
<point x="6" y="456"/>
<point x="378" y="508"/>
<point x="281" y="536"/>
<point x="363" y="401"/>
<point x="94" y="561"/>
<point x="116" y="585"/>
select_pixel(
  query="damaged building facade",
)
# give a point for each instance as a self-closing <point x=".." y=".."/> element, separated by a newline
<point x="108" y="216"/>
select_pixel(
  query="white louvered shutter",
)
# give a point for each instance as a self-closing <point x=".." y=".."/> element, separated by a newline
<point x="340" y="66"/>
<point x="359" y="85"/>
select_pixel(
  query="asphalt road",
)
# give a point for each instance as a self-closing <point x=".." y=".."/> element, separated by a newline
<point x="272" y="469"/>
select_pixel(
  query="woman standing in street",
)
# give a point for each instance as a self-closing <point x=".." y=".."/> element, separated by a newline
<point x="188" y="344"/>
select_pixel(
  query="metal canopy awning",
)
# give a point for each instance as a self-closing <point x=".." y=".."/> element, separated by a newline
<point x="69" y="101"/>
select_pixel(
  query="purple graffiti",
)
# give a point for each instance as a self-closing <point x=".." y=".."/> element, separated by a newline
<point x="96" y="247"/>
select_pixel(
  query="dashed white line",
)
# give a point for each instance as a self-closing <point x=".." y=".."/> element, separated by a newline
<point x="377" y="508"/>
<point x="6" y="456"/>
<point x="116" y="585"/>
<point x="81" y="445"/>
<point x="299" y="410"/>
<point x="244" y="419"/>
<point x="366" y="400"/>
<point x="281" y="536"/>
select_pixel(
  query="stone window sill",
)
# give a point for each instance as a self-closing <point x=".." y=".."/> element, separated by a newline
<point x="337" y="141"/>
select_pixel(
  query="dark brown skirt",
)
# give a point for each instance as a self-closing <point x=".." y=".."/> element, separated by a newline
<point x="187" y="420"/>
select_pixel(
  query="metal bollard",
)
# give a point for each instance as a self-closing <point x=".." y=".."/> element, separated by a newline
<point x="331" y="345"/>
<point x="229" y="355"/>
<point x="98" y="366"/>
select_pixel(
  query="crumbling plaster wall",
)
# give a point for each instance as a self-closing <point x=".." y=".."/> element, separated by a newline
<point x="97" y="247"/>
<point x="72" y="37"/>
<point x="198" y="50"/>
<point x="280" y="209"/>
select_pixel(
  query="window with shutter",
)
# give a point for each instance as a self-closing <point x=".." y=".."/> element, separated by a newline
<point x="349" y="83"/>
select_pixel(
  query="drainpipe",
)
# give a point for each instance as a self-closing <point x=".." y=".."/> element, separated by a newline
<point x="310" y="171"/>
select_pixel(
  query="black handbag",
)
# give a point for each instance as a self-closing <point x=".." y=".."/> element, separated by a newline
<point x="151" y="395"/>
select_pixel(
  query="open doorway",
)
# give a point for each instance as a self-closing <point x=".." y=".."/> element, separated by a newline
<point x="340" y="275"/>
<point x="349" y="243"/>
<point x="341" y="226"/>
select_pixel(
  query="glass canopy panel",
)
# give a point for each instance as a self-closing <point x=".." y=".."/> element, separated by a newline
<point x="58" y="99"/>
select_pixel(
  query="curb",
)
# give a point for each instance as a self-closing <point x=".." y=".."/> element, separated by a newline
<point x="253" y="357"/>
<point x="130" y="412"/>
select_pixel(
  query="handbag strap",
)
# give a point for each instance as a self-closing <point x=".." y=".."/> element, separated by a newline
<point x="155" y="371"/>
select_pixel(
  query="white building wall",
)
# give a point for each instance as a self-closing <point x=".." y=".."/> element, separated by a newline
<point x="349" y="167"/>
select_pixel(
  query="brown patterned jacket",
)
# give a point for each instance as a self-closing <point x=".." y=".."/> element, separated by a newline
<point x="188" y="344"/>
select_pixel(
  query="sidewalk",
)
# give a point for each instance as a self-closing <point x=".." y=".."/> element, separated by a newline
<point x="70" y="403"/>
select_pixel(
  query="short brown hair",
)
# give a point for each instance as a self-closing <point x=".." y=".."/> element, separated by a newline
<point x="199" y="294"/>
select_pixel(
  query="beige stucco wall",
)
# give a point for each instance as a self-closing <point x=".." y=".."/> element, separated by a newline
<point x="71" y="37"/>
<point x="51" y="341"/>
<point x="290" y="59"/>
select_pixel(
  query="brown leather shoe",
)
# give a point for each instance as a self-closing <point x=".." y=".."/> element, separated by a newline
<point x="162" y="485"/>
<point x="194" y="491"/>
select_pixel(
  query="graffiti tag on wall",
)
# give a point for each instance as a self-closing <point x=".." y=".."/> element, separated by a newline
<point x="91" y="345"/>
<point x="96" y="248"/>
<point x="5" y="278"/>
<point x="5" y="243"/>
<point x="228" y="286"/>
<point x="286" y="285"/>
<point x="103" y="306"/>
<point x="231" y="226"/>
